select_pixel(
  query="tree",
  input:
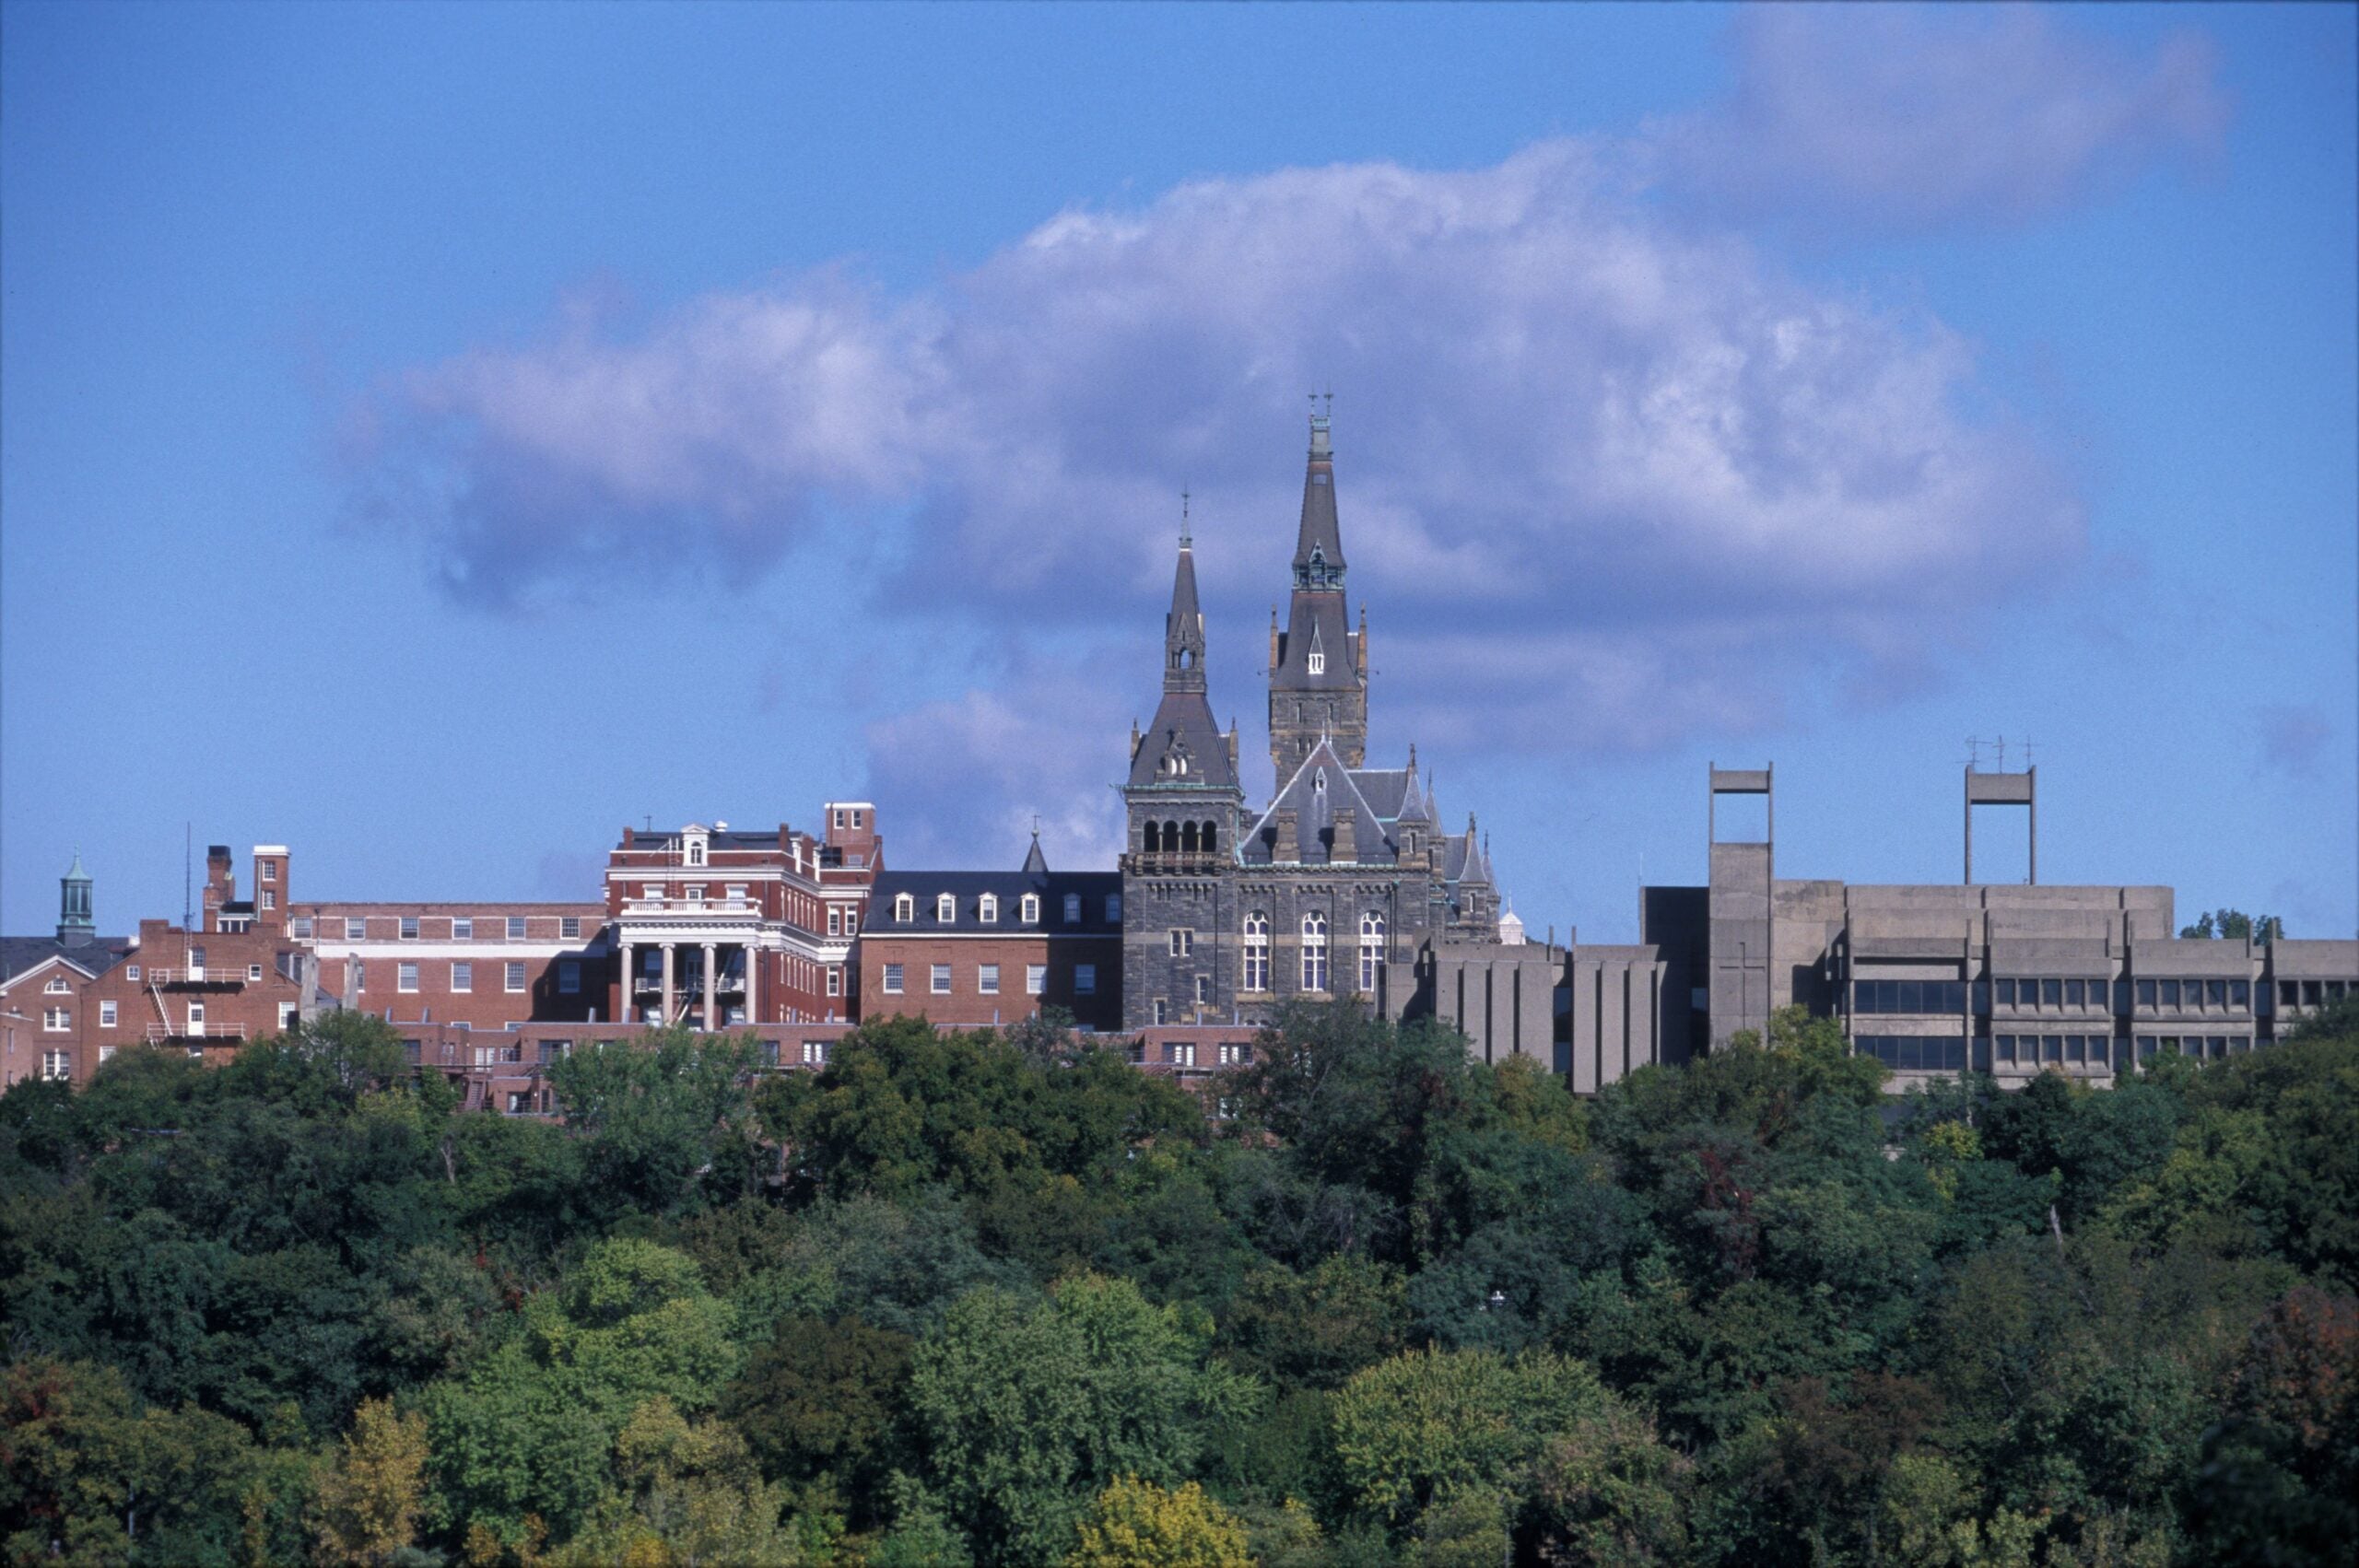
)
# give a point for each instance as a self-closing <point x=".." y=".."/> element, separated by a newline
<point x="689" y="1490"/>
<point x="1428" y="1424"/>
<point x="666" y="1119"/>
<point x="369" y="1500"/>
<point x="822" y="1399"/>
<point x="1136" y="1524"/>
<point x="1609" y="1492"/>
<point x="2235" y="925"/>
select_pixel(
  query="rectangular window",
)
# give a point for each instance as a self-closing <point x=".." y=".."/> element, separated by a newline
<point x="515" y="975"/>
<point x="359" y="976"/>
<point x="1030" y="909"/>
<point x="986" y="909"/>
<point x="132" y="974"/>
<point x="892" y="979"/>
<point x="942" y="980"/>
<point x="835" y="921"/>
<point x="2051" y="993"/>
<point x="2170" y="995"/>
<point x="409" y="928"/>
<point x="852" y="922"/>
<point x="461" y="930"/>
<point x="735" y="892"/>
<point x="1183" y="1055"/>
<point x="1072" y="909"/>
<point x="1236" y="1055"/>
<point x="463" y="977"/>
<point x="815" y="1053"/>
<point x="196" y="1019"/>
<point x="2076" y="993"/>
<point x="1113" y="908"/>
<point x="2003" y="1046"/>
<point x="1160" y="1011"/>
<point x="2146" y="993"/>
<point x="1183" y="943"/>
<point x="650" y="890"/>
<point x="515" y="927"/>
<point x="253" y="973"/>
<point x="2313" y="994"/>
<point x="1138" y="1053"/>
<point x="2215" y="993"/>
<point x="270" y="871"/>
<point x="945" y="909"/>
<point x="1036" y="979"/>
<point x="987" y="978"/>
<point x="405" y="978"/>
<point x="287" y="1013"/>
<point x="355" y="928"/>
<point x="269" y="899"/>
<point x="196" y="963"/>
<point x="1204" y="990"/>
<point x="106" y="1055"/>
<point x="57" y="1066"/>
<point x="56" y="1020"/>
<point x="835" y="979"/>
<point x="106" y="1015"/>
<point x="568" y="926"/>
<point x="1085" y="979"/>
<point x="2239" y="994"/>
<point x="568" y="977"/>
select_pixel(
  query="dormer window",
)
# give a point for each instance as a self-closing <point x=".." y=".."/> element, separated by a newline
<point x="1317" y="662"/>
<point x="1072" y="909"/>
<point x="905" y="908"/>
<point x="988" y="910"/>
<point x="945" y="909"/>
<point x="1030" y="909"/>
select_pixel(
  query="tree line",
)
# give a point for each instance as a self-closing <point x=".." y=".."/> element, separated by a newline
<point x="997" y="1298"/>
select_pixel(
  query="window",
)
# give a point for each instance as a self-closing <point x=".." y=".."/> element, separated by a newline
<point x="1314" y="951"/>
<point x="409" y="928"/>
<point x="835" y="979"/>
<point x="1911" y="996"/>
<point x="892" y="979"/>
<point x="269" y="899"/>
<point x="1203" y="990"/>
<point x="463" y="977"/>
<point x="57" y="1066"/>
<point x="1036" y="979"/>
<point x="987" y="978"/>
<point x="905" y="908"/>
<point x="1072" y="909"/>
<point x="56" y="1020"/>
<point x="106" y="1055"/>
<point x="1085" y="979"/>
<point x="1160" y="1011"/>
<point x="196" y="1019"/>
<point x="852" y="922"/>
<point x="359" y="976"/>
<point x="57" y="985"/>
<point x="2051" y="993"/>
<point x="1183" y="943"/>
<point x="2076" y="993"/>
<point x="942" y="980"/>
<point x="945" y="909"/>
<point x="568" y="928"/>
<point x="515" y="975"/>
<point x="650" y="890"/>
<point x="695" y="852"/>
<point x="835" y="921"/>
<point x="355" y="928"/>
<point x="196" y="963"/>
<point x="253" y="972"/>
<point x="106" y="1015"/>
<point x="1113" y="908"/>
<point x="462" y="929"/>
<point x="986" y="909"/>
<point x="1138" y="1053"/>
<point x="405" y="978"/>
<point x="815" y="1053"/>
<point x="270" y="871"/>
<point x="2239" y="994"/>
<point x="287" y="1013"/>
<point x="515" y="927"/>
<point x="1918" y="1053"/>
<point x="1030" y="910"/>
<point x="1371" y="951"/>
<point x="1257" y="953"/>
<point x="2170" y="994"/>
<point x="1182" y="1055"/>
<point x="1236" y="1055"/>
<point x="2215" y="993"/>
<point x="2145" y="993"/>
<point x="694" y="892"/>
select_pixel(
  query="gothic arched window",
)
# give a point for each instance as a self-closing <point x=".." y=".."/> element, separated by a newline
<point x="1314" y="951"/>
<point x="1371" y="951"/>
<point x="1154" y="839"/>
<point x="1257" y="951"/>
<point x="1209" y="839"/>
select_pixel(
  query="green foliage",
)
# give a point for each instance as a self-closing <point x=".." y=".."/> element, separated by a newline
<point x="1426" y="1425"/>
<point x="2235" y="925"/>
<point x="1136" y="1524"/>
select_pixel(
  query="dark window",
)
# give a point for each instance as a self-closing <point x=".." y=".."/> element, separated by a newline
<point x="2101" y="1049"/>
<point x="2170" y="994"/>
<point x="2051" y="1047"/>
<point x="2076" y="993"/>
<point x="2215" y="993"/>
<point x="2145" y="993"/>
<point x="2289" y="993"/>
<point x="2146" y="1044"/>
<point x="2006" y="1047"/>
<point x="2075" y="1047"/>
<point x="2310" y="993"/>
<point x="2334" y="990"/>
<point x="1912" y="997"/>
<point x="2051" y="993"/>
<point x="2240" y="993"/>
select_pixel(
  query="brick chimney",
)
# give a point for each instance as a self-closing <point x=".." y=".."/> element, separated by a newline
<point x="1345" y="849"/>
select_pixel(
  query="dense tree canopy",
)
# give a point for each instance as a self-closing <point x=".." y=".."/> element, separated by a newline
<point x="997" y="1298"/>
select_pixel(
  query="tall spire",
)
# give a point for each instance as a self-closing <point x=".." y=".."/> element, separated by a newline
<point x="1318" y="544"/>
<point x="1318" y="665"/>
<point x="1183" y="629"/>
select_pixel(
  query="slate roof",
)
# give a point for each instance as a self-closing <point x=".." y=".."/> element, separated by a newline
<point x="1320" y="787"/>
<point x="18" y="953"/>
<point x="966" y="889"/>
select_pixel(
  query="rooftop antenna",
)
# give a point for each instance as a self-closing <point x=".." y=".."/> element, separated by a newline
<point x="188" y="874"/>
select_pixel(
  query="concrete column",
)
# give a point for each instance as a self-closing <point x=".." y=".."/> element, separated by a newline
<point x="668" y="983"/>
<point x="711" y="988"/>
<point x="623" y="1010"/>
<point x="753" y="984"/>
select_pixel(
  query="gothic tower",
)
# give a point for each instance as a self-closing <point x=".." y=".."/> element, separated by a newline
<point x="1318" y="664"/>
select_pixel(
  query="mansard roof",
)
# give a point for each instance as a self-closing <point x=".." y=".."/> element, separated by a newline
<point x="1184" y="729"/>
<point x="966" y="890"/>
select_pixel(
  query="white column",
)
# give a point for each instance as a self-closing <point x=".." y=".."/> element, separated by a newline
<point x="667" y="984"/>
<point x="753" y="983"/>
<point x="625" y="1012"/>
<point x="711" y="988"/>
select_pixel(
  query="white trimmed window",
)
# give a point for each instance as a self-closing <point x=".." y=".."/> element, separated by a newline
<point x="196" y="1021"/>
<point x="1203" y="990"/>
<point x="986" y="911"/>
<point x="835" y="921"/>
<point x="405" y="978"/>
<point x="409" y="928"/>
<point x="1314" y="951"/>
<point x="1029" y="909"/>
<point x="253" y="972"/>
<point x="835" y="979"/>
<point x="462" y="929"/>
<point x="106" y="1055"/>
<point x="1160" y="1011"/>
<point x="515" y="927"/>
<point x="288" y="1014"/>
<point x="299" y="928"/>
<point x="56" y="987"/>
<point x="57" y="1066"/>
<point x="1182" y="1055"/>
<point x="735" y="892"/>
<point x="463" y="977"/>
<point x="893" y="980"/>
<point x="568" y="977"/>
<point x="945" y="909"/>
<point x="1183" y="943"/>
<point x="987" y="978"/>
<point x="1371" y="951"/>
<point x="270" y="871"/>
<point x="852" y="922"/>
<point x="1257" y="951"/>
<point x="815" y="1053"/>
<point x="1235" y="1055"/>
<point x="196" y="963"/>
<point x="568" y="926"/>
<point x="1085" y="979"/>
<point x="131" y="973"/>
<point x="905" y="908"/>
<point x="515" y="975"/>
<point x="56" y="1020"/>
<point x="269" y="898"/>
<point x="1317" y="663"/>
<point x="359" y="975"/>
<point x="106" y="1015"/>
<point x="650" y="890"/>
<point x="942" y="980"/>
<point x="355" y="929"/>
<point x="1036" y="979"/>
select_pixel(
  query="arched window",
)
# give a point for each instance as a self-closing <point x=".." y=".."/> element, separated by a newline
<point x="1209" y="839"/>
<point x="1153" y="840"/>
<point x="945" y="909"/>
<point x="1257" y="953"/>
<point x="988" y="910"/>
<point x="1171" y="837"/>
<point x="1371" y="951"/>
<point x="1314" y="951"/>
<point x="1031" y="909"/>
<point x="905" y="908"/>
<point x="1187" y="837"/>
<point x="695" y="852"/>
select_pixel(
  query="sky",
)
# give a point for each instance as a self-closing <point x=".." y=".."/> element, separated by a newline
<point x="436" y="437"/>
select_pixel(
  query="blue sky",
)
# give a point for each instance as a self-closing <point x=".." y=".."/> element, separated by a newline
<point x="436" y="437"/>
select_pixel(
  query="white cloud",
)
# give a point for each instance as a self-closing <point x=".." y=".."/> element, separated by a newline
<point x="1606" y="481"/>
<point x="1904" y="117"/>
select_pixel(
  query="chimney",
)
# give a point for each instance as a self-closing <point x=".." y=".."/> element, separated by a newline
<point x="221" y="885"/>
<point x="1289" y="849"/>
<point x="1345" y="849"/>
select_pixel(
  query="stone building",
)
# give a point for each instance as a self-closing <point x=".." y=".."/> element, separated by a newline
<point x="1226" y="912"/>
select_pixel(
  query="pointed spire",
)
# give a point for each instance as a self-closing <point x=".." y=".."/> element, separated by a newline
<point x="1183" y="629"/>
<point x="1318" y="544"/>
<point x="1034" y="862"/>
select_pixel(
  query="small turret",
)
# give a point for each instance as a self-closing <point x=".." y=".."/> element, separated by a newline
<point x="74" y="927"/>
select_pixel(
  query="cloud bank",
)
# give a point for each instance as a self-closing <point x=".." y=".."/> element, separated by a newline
<point x="1609" y="477"/>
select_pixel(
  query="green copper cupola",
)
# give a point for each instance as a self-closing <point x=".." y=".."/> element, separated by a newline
<point x="74" y="924"/>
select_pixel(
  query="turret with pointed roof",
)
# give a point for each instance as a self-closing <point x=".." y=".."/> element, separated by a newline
<point x="1318" y="664"/>
<point x="1184" y="745"/>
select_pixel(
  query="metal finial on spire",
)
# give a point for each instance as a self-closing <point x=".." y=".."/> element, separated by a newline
<point x="1186" y="540"/>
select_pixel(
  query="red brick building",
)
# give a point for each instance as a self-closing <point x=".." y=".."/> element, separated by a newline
<point x="975" y="948"/>
<point x="715" y="928"/>
<point x="487" y="965"/>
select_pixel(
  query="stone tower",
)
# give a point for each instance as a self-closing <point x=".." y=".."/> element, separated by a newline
<point x="1318" y="664"/>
